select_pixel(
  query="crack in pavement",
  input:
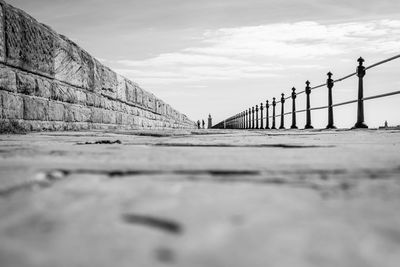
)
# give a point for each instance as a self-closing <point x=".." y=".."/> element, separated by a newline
<point x="162" y="224"/>
<point x="300" y="178"/>
<point x="42" y="180"/>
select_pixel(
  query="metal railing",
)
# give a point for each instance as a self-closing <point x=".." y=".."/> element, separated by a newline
<point x="250" y="119"/>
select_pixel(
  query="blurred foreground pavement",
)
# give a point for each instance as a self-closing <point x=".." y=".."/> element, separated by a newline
<point x="202" y="198"/>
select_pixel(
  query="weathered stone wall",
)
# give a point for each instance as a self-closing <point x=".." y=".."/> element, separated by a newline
<point x="47" y="82"/>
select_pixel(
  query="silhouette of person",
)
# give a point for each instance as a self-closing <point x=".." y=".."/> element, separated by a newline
<point x="198" y="124"/>
<point x="203" y="123"/>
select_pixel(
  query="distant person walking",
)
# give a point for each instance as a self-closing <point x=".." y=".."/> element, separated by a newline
<point x="204" y="124"/>
<point x="198" y="124"/>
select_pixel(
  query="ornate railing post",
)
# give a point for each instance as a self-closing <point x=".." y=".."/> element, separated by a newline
<point x="256" y="116"/>
<point x="293" y="109"/>
<point x="249" y="118"/>
<point x="273" y="113"/>
<point x="262" y="116"/>
<point x="252" y="117"/>
<point x="267" y="115"/>
<point x="308" y="107"/>
<point x="243" y="120"/>
<point x="330" y="84"/>
<point x="282" y="112"/>
<point x="360" y="103"/>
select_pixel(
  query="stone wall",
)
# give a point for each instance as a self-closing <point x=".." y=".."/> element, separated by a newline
<point x="47" y="82"/>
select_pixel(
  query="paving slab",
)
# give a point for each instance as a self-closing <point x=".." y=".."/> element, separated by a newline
<point x="200" y="198"/>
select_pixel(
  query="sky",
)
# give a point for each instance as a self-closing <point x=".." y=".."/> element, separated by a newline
<point x="221" y="57"/>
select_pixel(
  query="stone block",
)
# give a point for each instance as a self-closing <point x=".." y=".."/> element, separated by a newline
<point x="73" y="65"/>
<point x="145" y="99"/>
<point x="43" y="88"/>
<point x="109" y="117"/>
<point x="124" y="119"/>
<point x="116" y="105"/>
<point x="139" y="96"/>
<point x="97" y="115"/>
<point x="8" y="79"/>
<point x="119" y="117"/>
<point x="56" y="111"/>
<point x="76" y="113"/>
<point x="121" y="88"/>
<point x="109" y="83"/>
<point x="29" y="44"/>
<point x="64" y="93"/>
<point x="97" y="72"/>
<point x="151" y="102"/>
<point x="130" y="92"/>
<point x="26" y="84"/>
<point x="35" y="109"/>
<point x="81" y="97"/>
<point x="90" y="99"/>
<point x="2" y="36"/>
<point x="12" y="106"/>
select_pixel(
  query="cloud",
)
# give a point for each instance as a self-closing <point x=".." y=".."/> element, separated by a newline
<point x="264" y="51"/>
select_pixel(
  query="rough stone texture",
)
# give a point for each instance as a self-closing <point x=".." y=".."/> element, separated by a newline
<point x="47" y="66"/>
<point x="26" y="84"/>
<point x="75" y="113"/>
<point x="35" y="109"/>
<point x="8" y="80"/>
<point x="12" y="106"/>
<point x="202" y="198"/>
<point x="29" y="44"/>
<point x="56" y="111"/>
<point x="2" y="36"/>
<point x="44" y="88"/>
<point x="73" y="65"/>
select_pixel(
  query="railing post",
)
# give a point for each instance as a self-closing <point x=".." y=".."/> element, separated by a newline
<point x="360" y="103"/>
<point x="282" y="112"/>
<point x="252" y="117"/>
<point x="241" y="120"/>
<point x="273" y="113"/>
<point x="330" y="84"/>
<point x="267" y="115"/>
<point x="308" y="107"/>
<point x="256" y="116"/>
<point x="293" y="109"/>
<point x="246" y="121"/>
<point x="262" y="116"/>
<point x="249" y="118"/>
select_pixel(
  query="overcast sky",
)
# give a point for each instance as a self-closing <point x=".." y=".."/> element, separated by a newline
<point x="224" y="56"/>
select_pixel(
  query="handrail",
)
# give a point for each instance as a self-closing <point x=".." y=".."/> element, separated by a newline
<point x="246" y="119"/>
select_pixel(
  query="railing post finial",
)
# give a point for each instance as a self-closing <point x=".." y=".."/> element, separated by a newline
<point x="267" y="114"/>
<point x="273" y="113"/>
<point x="330" y="84"/>
<point x="256" y="116"/>
<point x="249" y="118"/>
<point x="308" y="107"/>
<point x="294" y="95"/>
<point x="262" y="116"/>
<point x="252" y="117"/>
<point x="360" y="102"/>
<point x="282" y="112"/>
